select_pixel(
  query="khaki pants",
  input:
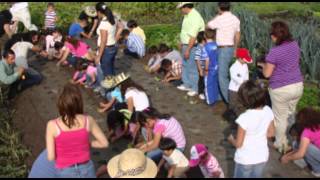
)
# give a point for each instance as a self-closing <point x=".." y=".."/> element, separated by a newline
<point x="180" y="172"/>
<point x="23" y="16"/>
<point x="284" y="101"/>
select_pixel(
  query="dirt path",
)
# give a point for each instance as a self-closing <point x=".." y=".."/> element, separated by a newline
<point x="201" y="124"/>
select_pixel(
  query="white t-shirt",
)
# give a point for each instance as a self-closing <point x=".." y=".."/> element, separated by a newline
<point x="105" y="25"/>
<point x="177" y="158"/>
<point x="154" y="61"/>
<point x="174" y="55"/>
<point x="21" y="51"/>
<point x="255" y="145"/>
<point x="18" y="6"/>
<point x="140" y="99"/>
<point x="50" y="41"/>
<point x="227" y="26"/>
<point x="239" y="73"/>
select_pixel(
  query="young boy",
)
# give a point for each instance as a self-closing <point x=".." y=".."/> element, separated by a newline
<point x="50" y="17"/>
<point x="211" y="80"/>
<point x="208" y="164"/>
<point x="239" y="73"/>
<point x="133" y="27"/>
<point x="154" y="60"/>
<point x="202" y="60"/>
<point x="76" y="29"/>
<point x="134" y="43"/>
<point x="173" y="71"/>
<point x="178" y="163"/>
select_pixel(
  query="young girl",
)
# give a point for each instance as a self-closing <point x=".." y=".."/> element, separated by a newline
<point x="177" y="163"/>
<point x="91" y="76"/>
<point x="79" y="76"/>
<point x="53" y="37"/>
<point x="255" y="126"/>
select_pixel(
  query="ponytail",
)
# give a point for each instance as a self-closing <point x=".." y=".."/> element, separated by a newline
<point x="102" y="7"/>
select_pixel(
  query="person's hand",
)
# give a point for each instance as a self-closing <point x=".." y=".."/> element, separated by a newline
<point x="284" y="159"/>
<point x="20" y="71"/>
<point x="216" y="174"/>
<point x="44" y="54"/>
<point x="187" y="54"/>
<point x="97" y="60"/>
<point x="260" y="64"/>
<point x="90" y="34"/>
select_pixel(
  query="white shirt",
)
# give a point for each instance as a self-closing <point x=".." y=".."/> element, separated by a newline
<point x="154" y="61"/>
<point x="50" y="41"/>
<point x="140" y="99"/>
<point x="105" y="25"/>
<point x="174" y="55"/>
<point x="255" y="145"/>
<point x="18" y="6"/>
<point x="227" y="26"/>
<point x="21" y="51"/>
<point x="177" y="158"/>
<point x="239" y="73"/>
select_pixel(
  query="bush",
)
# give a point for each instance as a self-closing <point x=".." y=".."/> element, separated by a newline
<point x="310" y="98"/>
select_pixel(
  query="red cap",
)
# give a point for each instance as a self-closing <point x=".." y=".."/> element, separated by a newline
<point x="244" y="54"/>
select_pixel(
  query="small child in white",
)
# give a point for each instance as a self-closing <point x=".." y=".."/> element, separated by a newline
<point x="208" y="164"/>
<point x="176" y="160"/>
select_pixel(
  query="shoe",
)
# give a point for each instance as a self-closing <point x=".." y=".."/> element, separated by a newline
<point x="183" y="88"/>
<point x="192" y="93"/>
<point x="315" y="174"/>
<point x="202" y="97"/>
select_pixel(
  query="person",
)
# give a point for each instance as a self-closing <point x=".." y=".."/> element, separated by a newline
<point x="177" y="163"/>
<point x="42" y="168"/>
<point x="60" y="50"/>
<point x="91" y="76"/>
<point x="5" y="30"/>
<point x="106" y="40"/>
<point x="134" y="28"/>
<point x="192" y="24"/>
<point x="162" y="125"/>
<point x="53" y="37"/>
<point x="73" y="159"/>
<point x="202" y="59"/>
<point x="79" y="76"/>
<point x="255" y="126"/>
<point x="134" y="43"/>
<point x="239" y="73"/>
<point x="51" y="18"/>
<point x="154" y="59"/>
<point x="9" y="74"/>
<point x="228" y="39"/>
<point x="286" y="80"/>
<point x="211" y="80"/>
<point x="131" y="163"/>
<point x="308" y="145"/>
<point x="76" y="29"/>
<point x="173" y="71"/>
<point x="91" y="14"/>
<point x="20" y="12"/>
<point x="209" y="165"/>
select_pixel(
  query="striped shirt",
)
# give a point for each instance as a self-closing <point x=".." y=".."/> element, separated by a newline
<point x="176" y="68"/>
<point x="227" y="26"/>
<point x="50" y="19"/>
<point x="135" y="44"/>
<point x="171" y="128"/>
<point x="286" y="59"/>
<point x="201" y="55"/>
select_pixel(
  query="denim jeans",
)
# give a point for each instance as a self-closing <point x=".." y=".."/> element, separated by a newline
<point x="72" y="60"/>
<point x="78" y="171"/>
<point x="312" y="157"/>
<point x="132" y="54"/>
<point x="249" y="171"/>
<point x="190" y="75"/>
<point x="107" y="61"/>
<point x="224" y="60"/>
<point x="42" y="167"/>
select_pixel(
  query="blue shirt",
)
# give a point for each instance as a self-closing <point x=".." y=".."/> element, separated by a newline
<point x="116" y="93"/>
<point x="135" y="44"/>
<point x="212" y="50"/>
<point x="75" y="30"/>
<point x="201" y="55"/>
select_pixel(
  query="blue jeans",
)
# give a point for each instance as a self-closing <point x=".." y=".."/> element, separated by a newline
<point x="42" y="167"/>
<point x="107" y="60"/>
<point x="130" y="53"/>
<point x="72" y="60"/>
<point x="78" y="171"/>
<point x="249" y="171"/>
<point x="224" y="60"/>
<point x="312" y="157"/>
<point x="190" y="75"/>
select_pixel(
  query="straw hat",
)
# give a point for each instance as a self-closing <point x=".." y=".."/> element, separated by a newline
<point x="90" y="11"/>
<point x="113" y="81"/>
<point x="181" y="4"/>
<point x="132" y="163"/>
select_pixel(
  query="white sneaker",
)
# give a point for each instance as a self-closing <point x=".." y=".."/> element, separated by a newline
<point x="183" y="88"/>
<point x="315" y="174"/>
<point x="192" y="93"/>
<point x="202" y="97"/>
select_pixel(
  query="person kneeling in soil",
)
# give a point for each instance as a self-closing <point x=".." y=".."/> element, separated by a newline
<point x="134" y="43"/>
<point x="177" y="164"/>
<point x="173" y="71"/>
<point x="80" y="75"/>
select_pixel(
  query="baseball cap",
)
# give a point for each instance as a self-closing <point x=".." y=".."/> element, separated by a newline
<point x="196" y="152"/>
<point x="244" y="54"/>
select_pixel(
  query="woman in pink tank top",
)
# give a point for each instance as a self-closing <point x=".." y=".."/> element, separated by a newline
<point x="67" y="137"/>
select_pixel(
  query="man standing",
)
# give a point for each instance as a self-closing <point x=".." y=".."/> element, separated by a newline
<point x="228" y="38"/>
<point x="192" y="24"/>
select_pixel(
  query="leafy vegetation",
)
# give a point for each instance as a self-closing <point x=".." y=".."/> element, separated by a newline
<point x="310" y="98"/>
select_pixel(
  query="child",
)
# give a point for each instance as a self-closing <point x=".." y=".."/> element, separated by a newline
<point x="202" y="60"/>
<point x="173" y="71"/>
<point x="134" y="43"/>
<point x="211" y="80"/>
<point x="60" y="49"/>
<point x="255" y="126"/>
<point x="53" y="37"/>
<point x="239" y="73"/>
<point x="210" y="168"/>
<point x="76" y="29"/>
<point x="50" y="17"/>
<point x="91" y="76"/>
<point x="178" y="163"/>
<point x="154" y="60"/>
<point x="133" y="27"/>
<point x="79" y="76"/>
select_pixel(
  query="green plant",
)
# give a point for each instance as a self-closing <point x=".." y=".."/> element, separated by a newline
<point x="310" y="98"/>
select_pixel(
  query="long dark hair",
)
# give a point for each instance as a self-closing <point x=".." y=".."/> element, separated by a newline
<point x="308" y="118"/>
<point x="150" y="113"/>
<point x="102" y="7"/>
<point x="70" y="104"/>
<point x="281" y="31"/>
<point x="129" y="83"/>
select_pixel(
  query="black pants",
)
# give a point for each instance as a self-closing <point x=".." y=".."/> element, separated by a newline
<point x="132" y="54"/>
<point x="201" y="85"/>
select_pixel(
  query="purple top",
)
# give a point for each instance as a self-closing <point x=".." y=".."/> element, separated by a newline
<point x="286" y="58"/>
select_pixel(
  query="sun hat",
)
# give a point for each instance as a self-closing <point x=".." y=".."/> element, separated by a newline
<point x="244" y="54"/>
<point x="132" y="163"/>
<point x="112" y="81"/>
<point x="90" y="11"/>
<point x="181" y="4"/>
<point x="196" y="152"/>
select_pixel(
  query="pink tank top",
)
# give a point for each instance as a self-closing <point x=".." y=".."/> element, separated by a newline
<point x="72" y="147"/>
